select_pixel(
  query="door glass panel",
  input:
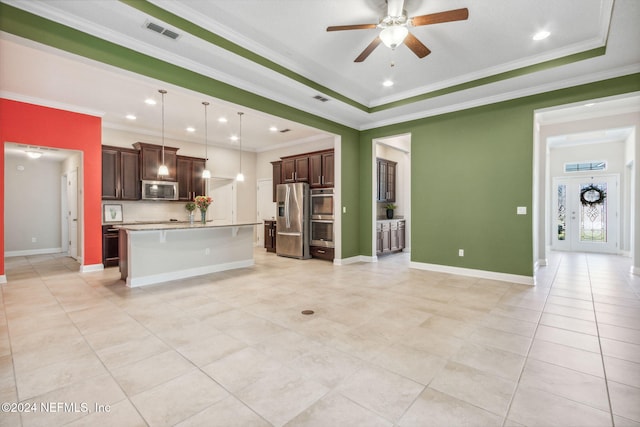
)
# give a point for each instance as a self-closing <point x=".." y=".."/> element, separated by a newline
<point x="561" y="218"/>
<point x="593" y="213"/>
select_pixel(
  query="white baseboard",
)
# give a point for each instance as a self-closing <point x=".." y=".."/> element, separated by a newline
<point x="44" y="251"/>
<point x="483" y="274"/>
<point x="354" y="259"/>
<point x="635" y="271"/>
<point x="543" y="262"/>
<point x="3" y="279"/>
<point x="91" y="268"/>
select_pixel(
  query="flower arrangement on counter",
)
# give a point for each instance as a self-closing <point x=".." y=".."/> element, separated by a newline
<point x="203" y="202"/>
<point x="190" y="206"/>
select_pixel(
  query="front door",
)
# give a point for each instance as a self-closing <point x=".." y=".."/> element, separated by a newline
<point x="585" y="214"/>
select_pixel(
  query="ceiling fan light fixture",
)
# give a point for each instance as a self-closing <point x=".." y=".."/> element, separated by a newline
<point x="394" y="35"/>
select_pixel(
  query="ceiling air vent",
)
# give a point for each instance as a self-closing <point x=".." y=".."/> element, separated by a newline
<point x="161" y="30"/>
<point x="321" y="98"/>
<point x="285" y="130"/>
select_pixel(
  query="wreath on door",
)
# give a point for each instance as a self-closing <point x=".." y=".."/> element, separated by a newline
<point x="592" y="195"/>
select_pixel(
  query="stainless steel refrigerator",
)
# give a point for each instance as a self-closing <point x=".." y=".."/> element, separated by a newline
<point x="293" y="220"/>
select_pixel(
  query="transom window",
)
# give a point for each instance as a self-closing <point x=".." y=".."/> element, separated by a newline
<point x="585" y="166"/>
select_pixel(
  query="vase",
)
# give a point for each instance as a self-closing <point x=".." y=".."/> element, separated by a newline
<point x="203" y="216"/>
<point x="389" y="213"/>
<point x="191" y="215"/>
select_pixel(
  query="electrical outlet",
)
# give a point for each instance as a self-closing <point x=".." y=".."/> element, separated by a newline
<point x="207" y="251"/>
<point x="34" y="239"/>
<point x="460" y="252"/>
<point x="521" y="210"/>
<point x="344" y="209"/>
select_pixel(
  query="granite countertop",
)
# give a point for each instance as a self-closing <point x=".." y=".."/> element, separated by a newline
<point x="177" y="225"/>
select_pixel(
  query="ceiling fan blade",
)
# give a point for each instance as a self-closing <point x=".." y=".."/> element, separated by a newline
<point x="395" y="7"/>
<point x="352" y="27"/>
<point x="440" y="17"/>
<point x="416" y="46"/>
<point x="368" y="50"/>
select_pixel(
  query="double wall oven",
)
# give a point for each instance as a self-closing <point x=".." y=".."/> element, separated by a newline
<point x="322" y="216"/>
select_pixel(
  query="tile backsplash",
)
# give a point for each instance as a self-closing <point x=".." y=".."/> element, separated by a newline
<point x="133" y="211"/>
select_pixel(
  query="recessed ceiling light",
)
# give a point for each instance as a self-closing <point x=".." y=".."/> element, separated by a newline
<point x="273" y="129"/>
<point x="34" y="154"/>
<point x="387" y="83"/>
<point x="150" y="101"/>
<point x="590" y="104"/>
<point x="234" y="138"/>
<point x="541" y="35"/>
<point x="191" y="129"/>
<point x="130" y="117"/>
<point x="222" y="120"/>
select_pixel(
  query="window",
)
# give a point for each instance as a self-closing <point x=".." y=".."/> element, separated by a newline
<point x="585" y="166"/>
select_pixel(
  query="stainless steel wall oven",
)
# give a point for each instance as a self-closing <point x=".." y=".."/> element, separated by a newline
<point x="322" y="217"/>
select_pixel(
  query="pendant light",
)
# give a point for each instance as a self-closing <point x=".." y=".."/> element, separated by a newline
<point x="240" y="176"/>
<point x="206" y="174"/>
<point x="163" y="170"/>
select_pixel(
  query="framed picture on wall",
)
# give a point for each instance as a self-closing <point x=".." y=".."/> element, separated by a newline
<point x="111" y="213"/>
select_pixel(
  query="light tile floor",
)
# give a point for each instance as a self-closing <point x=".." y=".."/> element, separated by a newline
<point x="387" y="346"/>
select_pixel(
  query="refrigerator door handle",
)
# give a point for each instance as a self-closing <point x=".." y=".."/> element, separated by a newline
<point x="286" y="207"/>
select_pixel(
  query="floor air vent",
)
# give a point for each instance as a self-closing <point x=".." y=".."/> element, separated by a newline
<point x="161" y="30"/>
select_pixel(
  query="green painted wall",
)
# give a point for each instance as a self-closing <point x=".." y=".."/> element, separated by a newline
<point x="470" y="170"/>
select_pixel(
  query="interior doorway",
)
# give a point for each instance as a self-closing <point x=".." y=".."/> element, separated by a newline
<point x="398" y="150"/>
<point x="587" y="133"/>
<point x="53" y="176"/>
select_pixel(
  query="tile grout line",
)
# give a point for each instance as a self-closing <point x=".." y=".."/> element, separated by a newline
<point x="526" y="358"/>
<point x="604" y="369"/>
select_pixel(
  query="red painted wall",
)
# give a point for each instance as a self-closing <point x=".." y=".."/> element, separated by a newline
<point x="48" y="127"/>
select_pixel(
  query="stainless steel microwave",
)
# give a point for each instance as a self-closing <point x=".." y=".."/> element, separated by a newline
<point x="159" y="190"/>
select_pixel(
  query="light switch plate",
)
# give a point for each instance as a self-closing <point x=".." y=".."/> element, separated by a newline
<point x="521" y="210"/>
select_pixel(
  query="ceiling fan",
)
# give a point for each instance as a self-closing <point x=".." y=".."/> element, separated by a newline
<point x="395" y="28"/>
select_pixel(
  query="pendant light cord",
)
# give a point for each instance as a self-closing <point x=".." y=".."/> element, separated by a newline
<point x="163" y="92"/>
<point x="240" y="136"/>
<point x="206" y="152"/>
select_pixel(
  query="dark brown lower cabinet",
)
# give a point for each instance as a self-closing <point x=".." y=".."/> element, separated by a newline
<point x="110" y="251"/>
<point x="322" y="252"/>
<point x="270" y="235"/>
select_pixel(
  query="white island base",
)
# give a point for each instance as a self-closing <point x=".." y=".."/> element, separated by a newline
<point x="156" y="253"/>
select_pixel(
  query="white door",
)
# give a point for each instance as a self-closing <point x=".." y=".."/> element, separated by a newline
<point x="64" y="215"/>
<point x="223" y="193"/>
<point x="72" y="217"/>
<point x="585" y="214"/>
<point x="266" y="207"/>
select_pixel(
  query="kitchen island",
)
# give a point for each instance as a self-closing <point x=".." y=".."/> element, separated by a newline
<point x="156" y="253"/>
